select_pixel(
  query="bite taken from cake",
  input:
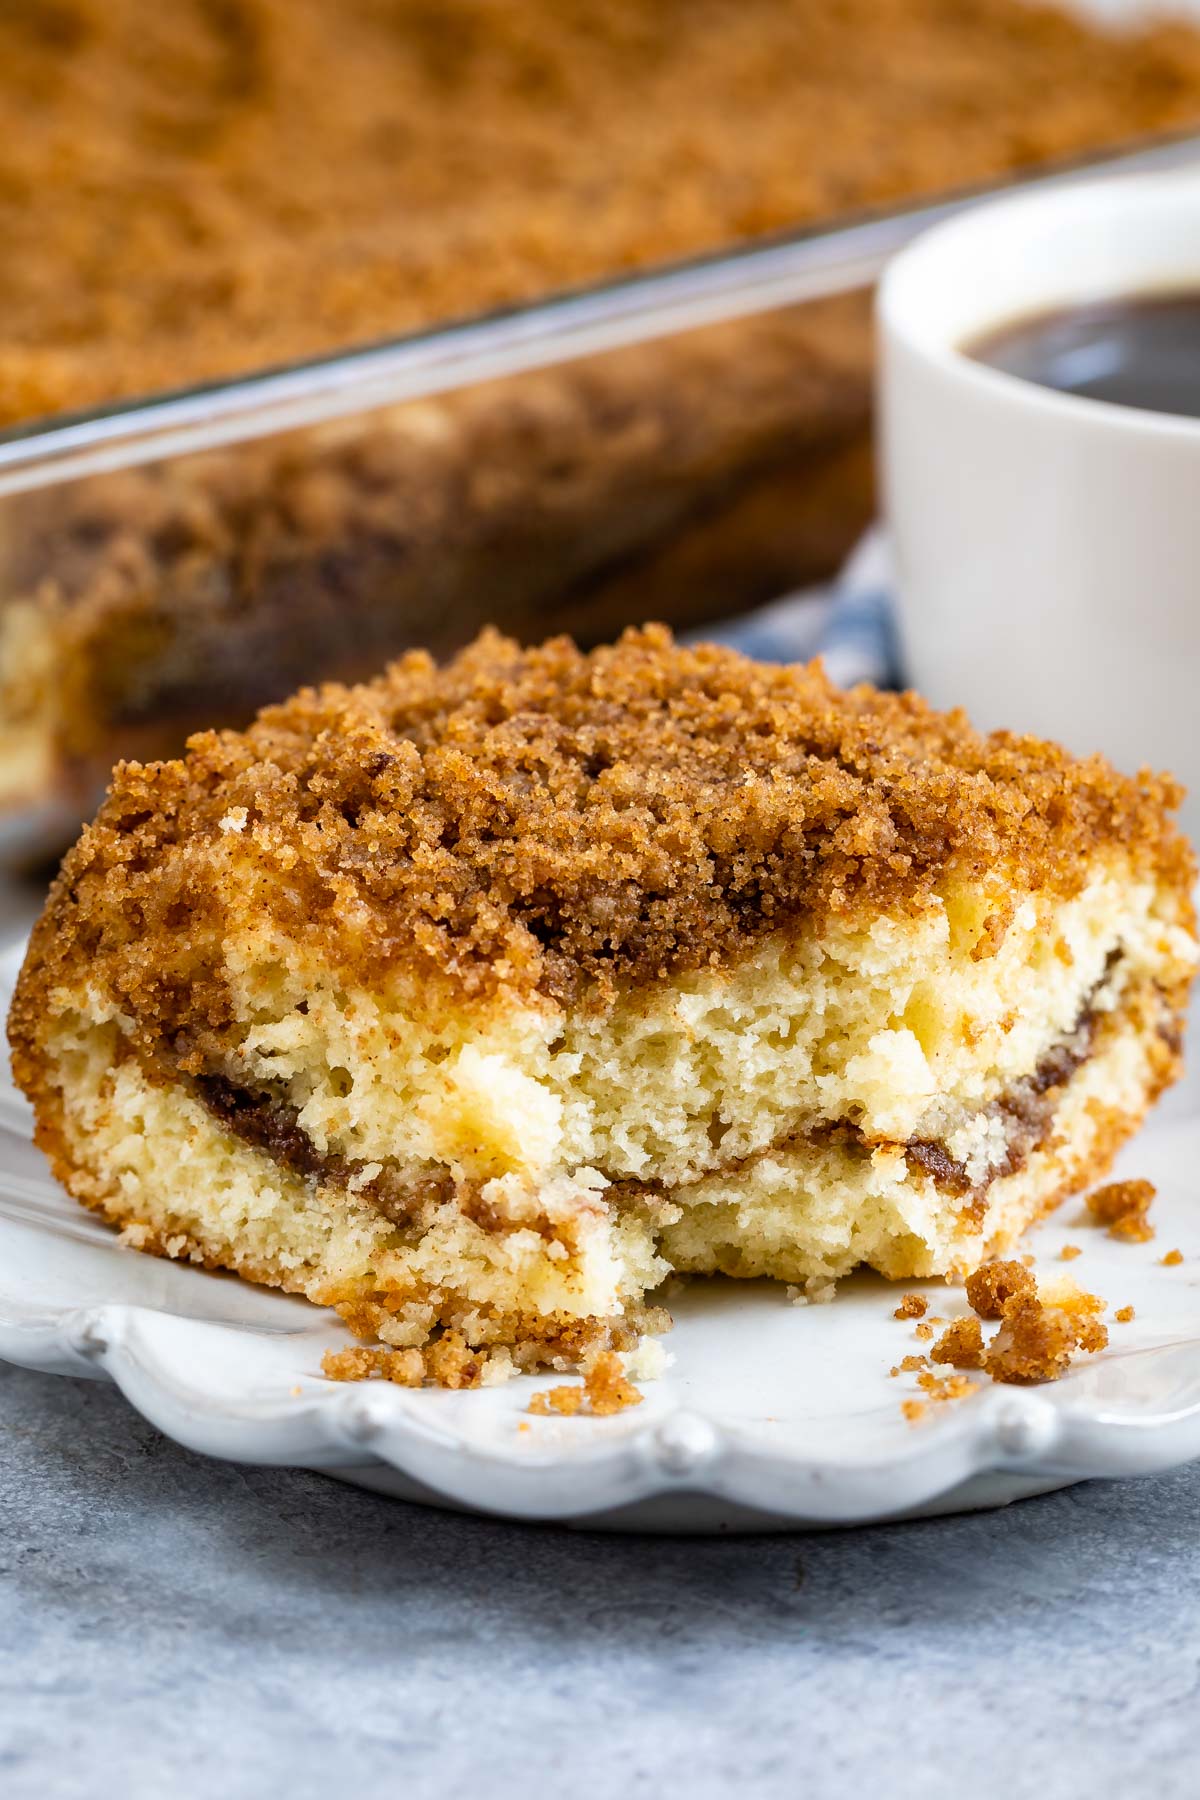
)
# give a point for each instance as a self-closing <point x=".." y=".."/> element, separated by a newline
<point x="476" y="1000"/>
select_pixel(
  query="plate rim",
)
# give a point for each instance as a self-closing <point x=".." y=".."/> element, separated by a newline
<point x="672" y="1450"/>
<point x="612" y="1464"/>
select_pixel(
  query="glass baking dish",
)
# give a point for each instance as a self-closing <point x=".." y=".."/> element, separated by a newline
<point x="680" y="444"/>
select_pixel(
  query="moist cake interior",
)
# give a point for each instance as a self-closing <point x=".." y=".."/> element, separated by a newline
<point x="476" y="1001"/>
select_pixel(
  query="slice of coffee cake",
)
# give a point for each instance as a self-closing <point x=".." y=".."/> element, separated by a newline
<point x="474" y="1000"/>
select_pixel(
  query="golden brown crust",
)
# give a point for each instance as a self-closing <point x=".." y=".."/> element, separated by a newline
<point x="569" y="824"/>
<point x="328" y="175"/>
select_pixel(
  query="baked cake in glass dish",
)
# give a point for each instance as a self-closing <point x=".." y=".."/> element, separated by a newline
<point x="476" y="1000"/>
<point x="203" y="191"/>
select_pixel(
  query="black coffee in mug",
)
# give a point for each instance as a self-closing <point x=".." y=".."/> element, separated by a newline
<point x="1142" y="350"/>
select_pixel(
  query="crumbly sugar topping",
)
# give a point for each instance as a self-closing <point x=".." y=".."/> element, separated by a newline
<point x="327" y="175"/>
<point x="1124" y="1207"/>
<point x="1034" y="1343"/>
<point x="961" y="1344"/>
<point x="1039" y="1331"/>
<point x="605" y="1390"/>
<point x="549" y="820"/>
<point x="993" y="1285"/>
<point x="1037" y="1335"/>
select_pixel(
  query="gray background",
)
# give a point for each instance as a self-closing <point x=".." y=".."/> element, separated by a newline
<point x="171" y="1627"/>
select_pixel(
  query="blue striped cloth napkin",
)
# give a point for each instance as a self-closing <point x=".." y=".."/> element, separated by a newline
<point x="851" y="624"/>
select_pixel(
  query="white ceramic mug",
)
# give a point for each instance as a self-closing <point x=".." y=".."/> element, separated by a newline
<point x="1047" y="546"/>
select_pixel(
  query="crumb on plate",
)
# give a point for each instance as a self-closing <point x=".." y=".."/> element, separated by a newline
<point x="364" y="1363"/>
<point x="960" y="1345"/>
<point x="1036" y="1337"/>
<point x="945" y="1387"/>
<point x="1124" y="1206"/>
<point x="1039" y="1331"/>
<point x="606" y="1390"/>
<point x="564" y="1400"/>
<point x="993" y="1284"/>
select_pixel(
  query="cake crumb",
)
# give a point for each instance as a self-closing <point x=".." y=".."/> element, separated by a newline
<point x="406" y="1368"/>
<point x="913" y="1410"/>
<point x="993" y="1285"/>
<point x="1172" y="1259"/>
<point x="1125" y="1315"/>
<point x="1034" y="1343"/>
<point x="815" y="1292"/>
<point x="909" y="1365"/>
<point x="1091" y="1335"/>
<point x="923" y="1331"/>
<point x="961" y="1344"/>
<point x="452" y="1364"/>
<point x="1070" y="1252"/>
<point x="1038" y="1335"/>
<point x="648" y="1361"/>
<point x="912" y="1306"/>
<point x="606" y="1390"/>
<point x="605" y="1383"/>
<point x="1038" y="1332"/>
<point x="1071" y="1299"/>
<point x="1123" y="1206"/>
<point x="945" y="1387"/>
<point x="564" y="1400"/>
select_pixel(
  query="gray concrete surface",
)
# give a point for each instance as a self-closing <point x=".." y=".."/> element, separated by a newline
<point x="176" y="1628"/>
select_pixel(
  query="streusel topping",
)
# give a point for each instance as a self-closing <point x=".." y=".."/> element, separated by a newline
<point x="544" y="819"/>
<point x="197" y="189"/>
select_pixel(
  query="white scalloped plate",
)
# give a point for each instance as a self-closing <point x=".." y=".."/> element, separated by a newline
<point x="769" y="1414"/>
